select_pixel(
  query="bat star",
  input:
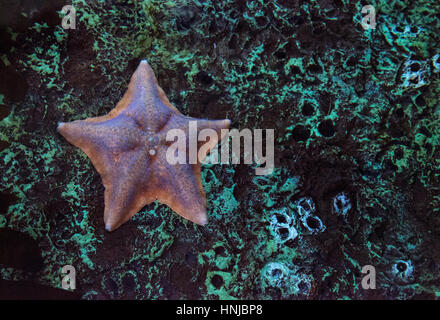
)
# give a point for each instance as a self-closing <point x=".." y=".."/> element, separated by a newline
<point x="128" y="148"/>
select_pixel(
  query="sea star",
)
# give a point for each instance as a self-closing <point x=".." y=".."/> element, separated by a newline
<point x="128" y="149"/>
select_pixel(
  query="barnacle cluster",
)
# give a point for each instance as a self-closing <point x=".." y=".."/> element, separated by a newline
<point x="288" y="280"/>
<point x="283" y="222"/>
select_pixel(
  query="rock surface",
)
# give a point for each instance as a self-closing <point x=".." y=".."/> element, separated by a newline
<point x="356" y="116"/>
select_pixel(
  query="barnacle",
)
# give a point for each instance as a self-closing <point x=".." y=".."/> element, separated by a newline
<point x="313" y="224"/>
<point x="341" y="204"/>
<point x="436" y="63"/>
<point x="275" y="274"/>
<point x="415" y="74"/>
<point x="305" y="206"/>
<point x="403" y="271"/>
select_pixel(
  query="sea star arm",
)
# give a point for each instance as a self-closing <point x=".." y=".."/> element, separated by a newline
<point x="144" y="101"/>
<point x="97" y="140"/>
<point x="180" y="188"/>
<point x="128" y="191"/>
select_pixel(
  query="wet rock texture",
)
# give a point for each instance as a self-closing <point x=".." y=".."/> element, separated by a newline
<point x="356" y="116"/>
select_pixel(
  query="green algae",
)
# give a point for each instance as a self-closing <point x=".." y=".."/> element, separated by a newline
<point x="159" y="240"/>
